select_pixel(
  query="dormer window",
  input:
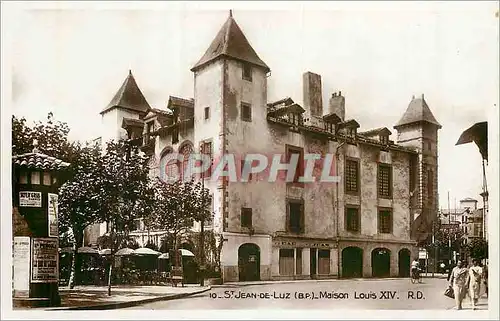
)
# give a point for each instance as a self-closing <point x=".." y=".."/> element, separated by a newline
<point x="384" y="139"/>
<point x="351" y="132"/>
<point x="247" y="72"/>
<point x="295" y="119"/>
<point x="329" y="127"/>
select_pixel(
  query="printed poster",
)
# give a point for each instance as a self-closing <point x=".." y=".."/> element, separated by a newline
<point x="30" y="199"/>
<point x="21" y="253"/>
<point x="44" y="258"/>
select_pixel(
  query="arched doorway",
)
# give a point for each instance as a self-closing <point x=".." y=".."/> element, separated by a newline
<point x="352" y="262"/>
<point x="381" y="262"/>
<point x="404" y="262"/>
<point x="249" y="262"/>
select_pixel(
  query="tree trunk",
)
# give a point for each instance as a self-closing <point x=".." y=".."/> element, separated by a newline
<point x="113" y="239"/>
<point x="78" y="238"/>
<point x="110" y="274"/>
<point x="71" y="282"/>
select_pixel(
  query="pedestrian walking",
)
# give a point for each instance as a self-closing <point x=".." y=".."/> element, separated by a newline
<point x="475" y="278"/>
<point x="459" y="279"/>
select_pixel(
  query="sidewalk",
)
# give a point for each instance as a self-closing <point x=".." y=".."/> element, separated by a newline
<point x="96" y="297"/>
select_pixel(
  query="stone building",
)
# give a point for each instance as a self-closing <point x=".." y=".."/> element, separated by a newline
<point x="365" y="225"/>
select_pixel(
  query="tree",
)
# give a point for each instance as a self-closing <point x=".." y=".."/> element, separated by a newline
<point x="477" y="248"/>
<point x="173" y="211"/>
<point x="438" y="244"/>
<point x="178" y="205"/>
<point x="125" y="192"/>
<point x="52" y="137"/>
<point x="79" y="198"/>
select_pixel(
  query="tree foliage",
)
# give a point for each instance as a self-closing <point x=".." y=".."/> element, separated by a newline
<point x="477" y="248"/>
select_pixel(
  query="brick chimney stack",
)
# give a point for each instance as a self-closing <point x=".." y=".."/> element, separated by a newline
<point x="313" y="98"/>
<point x="337" y="105"/>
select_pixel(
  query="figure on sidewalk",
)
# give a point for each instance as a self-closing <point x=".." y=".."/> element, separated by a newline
<point x="475" y="276"/>
<point x="485" y="279"/>
<point x="459" y="279"/>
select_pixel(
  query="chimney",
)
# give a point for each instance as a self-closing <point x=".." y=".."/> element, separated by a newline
<point x="313" y="97"/>
<point x="337" y="105"/>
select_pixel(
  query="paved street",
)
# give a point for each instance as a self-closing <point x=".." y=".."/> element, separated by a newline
<point x="359" y="294"/>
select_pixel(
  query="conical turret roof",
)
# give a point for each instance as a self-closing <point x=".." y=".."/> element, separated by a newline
<point x="129" y="96"/>
<point x="230" y="42"/>
<point x="417" y="111"/>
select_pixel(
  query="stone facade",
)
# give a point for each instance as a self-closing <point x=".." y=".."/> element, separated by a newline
<point x="296" y="231"/>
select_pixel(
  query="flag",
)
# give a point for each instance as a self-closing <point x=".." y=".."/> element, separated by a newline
<point x="477" y="133"/>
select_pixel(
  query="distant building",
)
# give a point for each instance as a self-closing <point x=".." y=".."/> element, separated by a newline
<point x="367" y="225"/>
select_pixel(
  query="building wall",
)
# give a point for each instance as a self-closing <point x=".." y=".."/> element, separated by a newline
<point x="112" y="124"/>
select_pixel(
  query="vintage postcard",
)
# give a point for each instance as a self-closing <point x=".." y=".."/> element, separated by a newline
<point x="250" y="160"/>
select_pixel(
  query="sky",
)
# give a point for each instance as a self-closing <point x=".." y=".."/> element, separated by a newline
<point x="70" y="59"/>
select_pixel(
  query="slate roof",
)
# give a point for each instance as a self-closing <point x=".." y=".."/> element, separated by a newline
<point x="177" y="101"/>
<point x="129" y="96"/>
<point x="417" y="111"/>
<point x="286" y="101"/>
<point x="230" y="42"/>
<point x="349" y="123"/>
<point x="332" y="118"/>
<point x="38" y="161"/>
<point x="375" y="132"/>
<point x="126" y="122"/>
<point x="154" y="112"/>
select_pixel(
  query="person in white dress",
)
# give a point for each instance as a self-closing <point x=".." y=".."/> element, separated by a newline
<point x="459" y="279"/>
<point x="475" y="278"/>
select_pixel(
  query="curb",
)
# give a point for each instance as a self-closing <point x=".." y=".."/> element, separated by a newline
<point x="305" y="281"/>
<point x="128" y="304"/>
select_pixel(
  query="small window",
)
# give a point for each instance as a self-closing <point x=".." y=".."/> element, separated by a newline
<point x="351" y="176"/>
<point x="246" y="112"/>
<point x="207" y="113"/>
<point x="299" y="170"/>
<point x="46" y="179"/>
<point x="384" y="139"/>
<point x="246" y="217"/>
<point x="23" y="177"/>
<point x="295" y="217"/>
<point x="384" y="181"/>
<point x="207" y="150"/>
<point x="384" y="221"/>
<point x="35" y="178"/>
<point x="352" y="219"/>
<point x="247" y="72"/>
